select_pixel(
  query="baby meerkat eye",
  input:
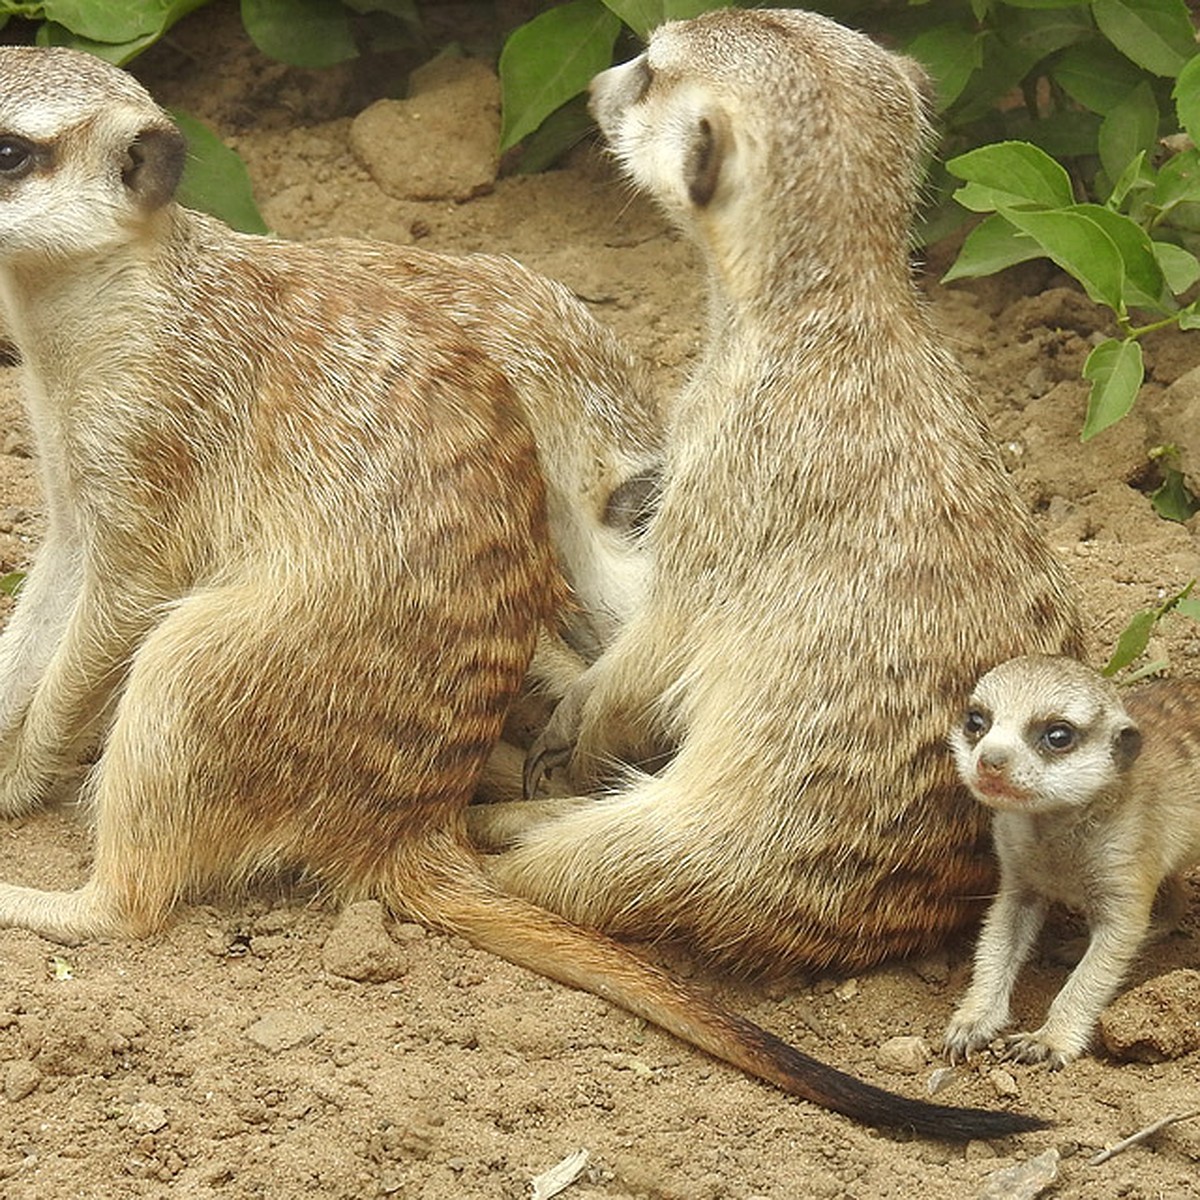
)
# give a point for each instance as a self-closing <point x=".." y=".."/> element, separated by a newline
<point x="976" y="723"/>
<point x="16" y="155"/>
<point x="1059" y="737"/>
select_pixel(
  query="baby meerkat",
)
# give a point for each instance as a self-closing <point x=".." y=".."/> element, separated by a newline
<point x="838" y="552"/>
<point x="295" y="567"/>
<point x="1096" y="804"/>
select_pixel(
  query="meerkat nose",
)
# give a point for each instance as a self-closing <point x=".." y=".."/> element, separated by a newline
<point x="993" y="760"/>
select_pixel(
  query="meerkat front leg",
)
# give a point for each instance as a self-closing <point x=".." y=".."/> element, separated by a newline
<point x="1011" y="927"/>
<point x="1118" y="930"/>
<point x="36" y="626"/>
<point x="605" y="716"/>
<point x="72" y="692"/>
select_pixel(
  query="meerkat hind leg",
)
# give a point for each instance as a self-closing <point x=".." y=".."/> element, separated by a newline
<point x="162" y="793"/>
<point x="496" y="827"/>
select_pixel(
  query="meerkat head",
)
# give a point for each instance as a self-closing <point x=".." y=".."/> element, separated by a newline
<point x="85" y="154"/>
<point x="1041" y="733"/>
<point x="769" y="105"/>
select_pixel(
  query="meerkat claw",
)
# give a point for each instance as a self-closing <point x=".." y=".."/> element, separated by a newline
<point x="543" y="758"/>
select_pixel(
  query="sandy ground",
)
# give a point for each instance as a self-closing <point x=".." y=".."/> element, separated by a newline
<point x="232" y="1057"/>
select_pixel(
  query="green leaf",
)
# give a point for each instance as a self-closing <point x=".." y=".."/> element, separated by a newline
<point x="101" y="30"/>
<point x="1189" y="607"/>
<point x="1116" y="372"/>
<point x="990" y="247"/>
<point x="1186" y="95"/>
<point x="215" y="179"/>
<point x="11" y="583"/>
<point x="951" y="53"/>
<point x="644" y="15"/>
<point x="1172" y="500"/>
<point x="1178" y="181"/>
<point x="108" y="22"/>
<point x="1189" y="318"/>
<point x="302" y="33"/>
<point x="1155" y="34"/>
<point x="563" y="128"/>
<point x="1010" y="174"/>
<point x="1180" y="267"/>
<point x="1130" y="128"/>
<point x="1083" y="249"/>
<point x="1095" y="75"/>
<point x="1136" y="635"/>
<point x="551" y="59"/>
<point x="1145" y="284"/>
<point x="1132" y="643"/>
<point x="1137" y="176"/>
<point x="117" y="53"/>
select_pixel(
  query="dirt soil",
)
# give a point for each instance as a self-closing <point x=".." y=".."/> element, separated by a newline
<point x="265" y="1046"/>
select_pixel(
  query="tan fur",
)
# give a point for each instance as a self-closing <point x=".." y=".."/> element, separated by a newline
<point x="588" y="402"/>
<point x="593" y="415"/>
<point x="296" y="562"/>
<point x="838" y="552"/>
<point x="1096" y="804"/>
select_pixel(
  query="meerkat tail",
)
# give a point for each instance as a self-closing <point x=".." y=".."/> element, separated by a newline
<point x="515" y="930"/>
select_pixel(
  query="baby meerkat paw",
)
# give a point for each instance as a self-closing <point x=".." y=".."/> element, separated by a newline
<point x="1037" y="1047"/>
<point x="963" y="1038"/>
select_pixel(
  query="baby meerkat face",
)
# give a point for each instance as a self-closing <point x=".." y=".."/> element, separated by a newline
<point x="85" y="153"/>
<point x="1042" y="733"/>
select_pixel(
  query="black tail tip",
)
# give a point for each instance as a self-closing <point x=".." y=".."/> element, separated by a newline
<point x="965" y="1124"/>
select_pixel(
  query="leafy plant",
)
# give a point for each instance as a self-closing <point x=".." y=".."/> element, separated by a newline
<point x="547" y="63"/>
<point x="1135" y="637"/>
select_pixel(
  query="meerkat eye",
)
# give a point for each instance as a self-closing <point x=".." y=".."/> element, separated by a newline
<point x="1059" y="737"/>
<point x="976" y="723"/>
<point x="15" y="155"/>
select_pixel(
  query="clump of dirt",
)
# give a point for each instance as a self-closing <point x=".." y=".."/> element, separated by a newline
<point x="266" y="1046"/>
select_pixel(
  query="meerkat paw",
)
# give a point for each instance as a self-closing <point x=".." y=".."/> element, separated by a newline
<point x="1038" y="1047"/>
<point x="554" y="747"/>
<point x="964" y="1036"/>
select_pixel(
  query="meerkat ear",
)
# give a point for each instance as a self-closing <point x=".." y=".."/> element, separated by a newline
<point x="1127" y="745"/>
<point x="704" y="158"/>
<point x="154" y="164"/>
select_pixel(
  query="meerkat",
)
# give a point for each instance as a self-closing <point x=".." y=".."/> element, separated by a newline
<point x="296" y="563"/>
<point x="837" y="554"/>
<point x="1096" y="804"/>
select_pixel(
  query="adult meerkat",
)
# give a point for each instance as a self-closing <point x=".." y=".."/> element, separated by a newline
<point x="295" y="566"/>
<point x="838" y="551"/>
<point x="1096" y="804"/>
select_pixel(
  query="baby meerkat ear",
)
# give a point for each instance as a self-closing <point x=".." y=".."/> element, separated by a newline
<point x="1127" y="745"/>
<point x="154" y="164"/>
<point x="706" y="154"/>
